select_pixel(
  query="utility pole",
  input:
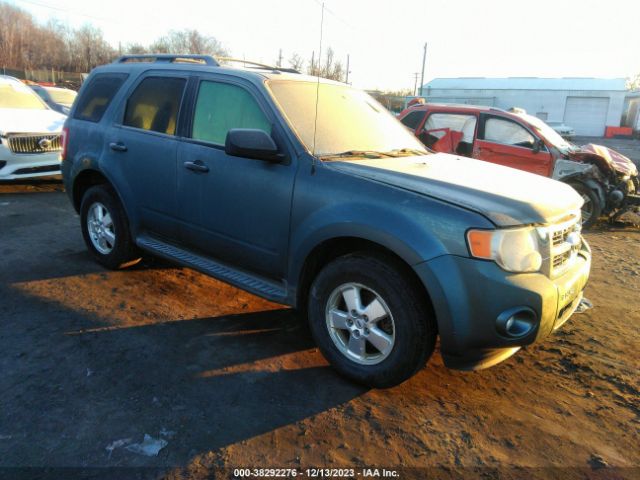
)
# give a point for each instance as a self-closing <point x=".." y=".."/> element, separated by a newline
<point x="424" y="60"/>
<point x="347" y="79"/>
<point x="415" y="82"/>
<point x="313" y="56"/>
<point x="280" y="58"/>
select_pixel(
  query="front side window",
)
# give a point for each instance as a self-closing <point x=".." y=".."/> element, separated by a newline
<point x="98" y="95"/>
<point x="221" y="107"/>
<point x="154" y="105"/>
<point x="507" y="133"/>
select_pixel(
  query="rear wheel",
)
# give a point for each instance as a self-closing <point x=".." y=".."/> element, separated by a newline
<point x="105" y="228"/>
<point x="591" y="209"/>
<point x="371" y="322"/>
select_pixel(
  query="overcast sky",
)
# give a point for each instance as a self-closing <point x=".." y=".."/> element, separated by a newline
<point x="546" y="38"/>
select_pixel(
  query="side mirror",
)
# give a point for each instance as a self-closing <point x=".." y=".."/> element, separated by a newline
<point x="252" y="143"/>
<point x="538" y="145"/>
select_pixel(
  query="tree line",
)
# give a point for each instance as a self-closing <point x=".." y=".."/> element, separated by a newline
<point x="26" y="44"/>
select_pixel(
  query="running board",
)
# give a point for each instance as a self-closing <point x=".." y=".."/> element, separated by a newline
<point x="254" y="284"/>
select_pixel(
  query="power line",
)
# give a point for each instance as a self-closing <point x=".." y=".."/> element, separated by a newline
<point x="67" y="11"/>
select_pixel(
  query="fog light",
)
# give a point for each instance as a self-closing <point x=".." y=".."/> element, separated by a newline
<point x="516" y="322"/>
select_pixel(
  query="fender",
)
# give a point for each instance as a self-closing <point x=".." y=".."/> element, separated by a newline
<point x="415" y="244"/>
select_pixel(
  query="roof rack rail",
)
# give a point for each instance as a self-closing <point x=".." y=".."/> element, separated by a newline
<point x="251" y="64"/>
<point x="169" y="58"/>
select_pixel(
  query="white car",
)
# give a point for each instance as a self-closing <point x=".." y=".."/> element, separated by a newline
<point x="562" y="129"/>
<point x="29" y="133"/>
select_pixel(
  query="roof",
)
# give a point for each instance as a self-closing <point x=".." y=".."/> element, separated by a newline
<point x="249" y="73"/>
<point x="528" y="83"/>
<point x="456" y="106"/>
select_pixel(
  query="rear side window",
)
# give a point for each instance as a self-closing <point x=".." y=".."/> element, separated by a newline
<point x="98" y="95"/>
<point x="154" y="104"/>
<point x="221" y="107"/>
<point x="413" y="119"/>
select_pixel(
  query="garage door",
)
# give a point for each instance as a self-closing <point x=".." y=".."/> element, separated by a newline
<point x="587" y="115"/>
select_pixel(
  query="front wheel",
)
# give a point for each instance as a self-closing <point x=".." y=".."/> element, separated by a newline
<point x="370" y="320"/>
<point x="591" y="208"/>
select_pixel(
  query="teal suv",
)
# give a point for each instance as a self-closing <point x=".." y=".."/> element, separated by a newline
<point x="309" y="193"/>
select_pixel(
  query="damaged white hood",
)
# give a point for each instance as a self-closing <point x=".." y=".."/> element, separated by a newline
<point x="508" y="197"/>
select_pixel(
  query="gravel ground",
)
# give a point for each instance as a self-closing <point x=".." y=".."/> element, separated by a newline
<point x="92" y="360"/>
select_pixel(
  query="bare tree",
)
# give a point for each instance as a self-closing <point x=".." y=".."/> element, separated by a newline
<point x="633" y="83"/>
<point x="188" y="41"/>
<point x="327" y="68"/>
<point x="89" y="48"/>
<point x="296" y="62"/>
<point x="135" y="49"/>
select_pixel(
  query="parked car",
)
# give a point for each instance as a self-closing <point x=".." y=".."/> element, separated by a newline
<point x="563" y="130"/>
<point x="606" y="180"/>
<point x="29" y="133"/>
<point x="58" y="99"/>
<point x="382" y="245"/>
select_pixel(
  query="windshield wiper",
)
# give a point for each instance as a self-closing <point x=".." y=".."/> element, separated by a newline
<point x="398" y="152"/>
<point x="357" y="153"/>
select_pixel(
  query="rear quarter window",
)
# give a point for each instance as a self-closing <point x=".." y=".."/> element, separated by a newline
<point x="96" y="98"/>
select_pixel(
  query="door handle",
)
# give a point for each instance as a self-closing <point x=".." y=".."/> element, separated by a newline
<point x="196" y="166"/>
<point x="118" y="146"/>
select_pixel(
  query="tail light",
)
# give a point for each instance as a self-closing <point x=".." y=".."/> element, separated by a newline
<point x="64" y="140"/>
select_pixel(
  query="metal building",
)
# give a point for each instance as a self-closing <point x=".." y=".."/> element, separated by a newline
<point x="587" y="105"/>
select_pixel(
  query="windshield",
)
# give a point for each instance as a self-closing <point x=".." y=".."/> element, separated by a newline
<point x="62" y="96"/>
<point x="547" y="132"/>
<point x="349" y="120"/>
<point x="16" y="95"/>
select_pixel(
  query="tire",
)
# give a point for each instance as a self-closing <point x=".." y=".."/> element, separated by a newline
<point x="105" y="229"/>
<point x="592" y="208"/>
<point x="396" y="345"/>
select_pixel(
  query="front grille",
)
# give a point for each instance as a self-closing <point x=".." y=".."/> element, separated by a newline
<point x="563" y="246"/>
<point x="560" y="260"/>
<point x="559" y="236"/>
<point x="32" y="143"/>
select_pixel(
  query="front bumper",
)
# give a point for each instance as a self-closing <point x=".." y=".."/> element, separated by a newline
<point x="470" y="296"/>
<point x="15" y="166"/>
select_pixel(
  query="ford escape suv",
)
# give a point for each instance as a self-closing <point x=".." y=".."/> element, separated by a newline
<point x="309" y="193"/>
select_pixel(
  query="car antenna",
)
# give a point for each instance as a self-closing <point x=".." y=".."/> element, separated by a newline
<point x="315" y="120"/>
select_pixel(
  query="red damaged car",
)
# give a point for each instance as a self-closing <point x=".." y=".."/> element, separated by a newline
<point x="607" y="180"/>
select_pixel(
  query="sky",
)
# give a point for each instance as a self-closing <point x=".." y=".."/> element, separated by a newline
<point x="385" y="39"/>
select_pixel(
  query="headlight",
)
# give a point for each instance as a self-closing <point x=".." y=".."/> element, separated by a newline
<point x="515" y="250"/>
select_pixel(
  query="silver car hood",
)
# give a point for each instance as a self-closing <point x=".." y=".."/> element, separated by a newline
<point x="508" y="197"/>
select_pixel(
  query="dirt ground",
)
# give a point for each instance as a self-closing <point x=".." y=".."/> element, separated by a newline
<point x="92" y="360"/>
